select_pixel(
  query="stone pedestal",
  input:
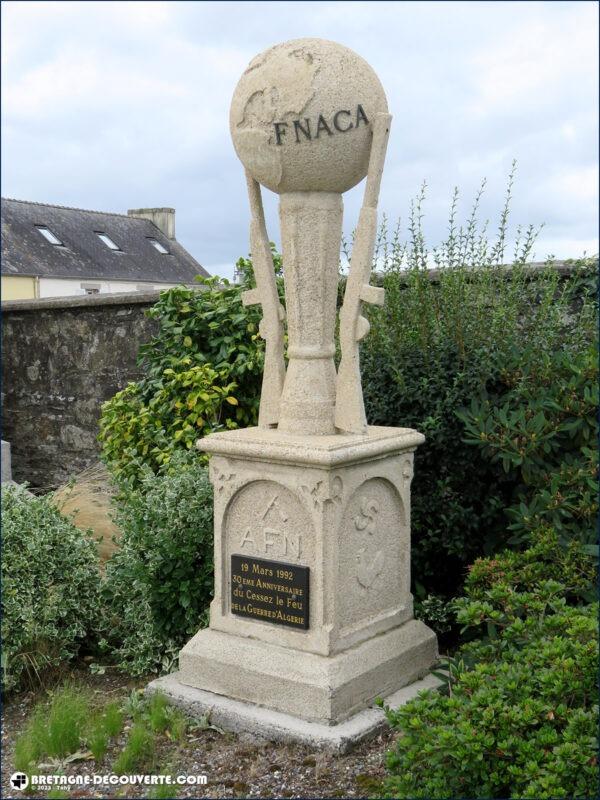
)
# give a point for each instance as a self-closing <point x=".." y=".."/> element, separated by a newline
<point x="340" y="506"/>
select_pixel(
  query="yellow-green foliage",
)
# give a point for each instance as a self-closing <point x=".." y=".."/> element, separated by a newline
<point x="202" y="373"/>
<point x="142" y="427"/>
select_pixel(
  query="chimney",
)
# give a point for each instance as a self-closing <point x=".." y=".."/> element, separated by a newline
<point x="163" y="218"/>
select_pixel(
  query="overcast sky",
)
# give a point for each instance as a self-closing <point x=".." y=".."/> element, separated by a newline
<point x="117" y="105"/>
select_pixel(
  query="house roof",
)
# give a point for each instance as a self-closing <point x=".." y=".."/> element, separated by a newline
<point x="83" y="255"/>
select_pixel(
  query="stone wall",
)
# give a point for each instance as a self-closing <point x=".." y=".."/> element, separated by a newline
<point x="61" y="359"/>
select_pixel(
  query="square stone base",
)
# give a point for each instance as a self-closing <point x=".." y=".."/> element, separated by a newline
<point x="337" y="508"/>
<point x="262" y="724"/>
<point x="323" y="689"/>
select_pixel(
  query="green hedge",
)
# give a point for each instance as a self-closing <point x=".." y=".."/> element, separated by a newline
<point x="50" y="583"/>
<point x="160" y="581"/>
<point x="519" y="718"/>
<point x="486" y="353"/>
<point x="202" y="373"/>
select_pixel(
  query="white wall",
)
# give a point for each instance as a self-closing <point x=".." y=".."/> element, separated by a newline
<point x="65" y="287"/>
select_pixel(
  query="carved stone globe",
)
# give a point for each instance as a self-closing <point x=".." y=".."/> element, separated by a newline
<point x="300" y="116"/>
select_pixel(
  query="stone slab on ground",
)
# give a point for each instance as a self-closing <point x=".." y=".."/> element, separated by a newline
<point x="261" y="723"/>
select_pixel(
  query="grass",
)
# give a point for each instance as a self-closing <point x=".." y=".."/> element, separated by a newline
<point x="105" y="726"/>
<point x="165" y="718"/>
<point x="86" y="500"/>
<point x="112" y="719"/>
<point x="164" y="792"/>
<point x="98" y="743"/>
<point x="64" y="724"/>
<point x="140" y="751"/>
<point x="55" y="729"/>
<point x="69" y="722"/>
<point x="158" y="712"/>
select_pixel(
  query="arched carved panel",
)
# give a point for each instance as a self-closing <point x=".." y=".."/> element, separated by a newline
<point x="374" y="552"/>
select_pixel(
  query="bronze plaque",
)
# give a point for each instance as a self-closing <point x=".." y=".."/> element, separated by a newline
<point x="269" y="591"/>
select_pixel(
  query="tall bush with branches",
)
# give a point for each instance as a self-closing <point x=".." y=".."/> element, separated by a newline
<point x="456" y="316"/>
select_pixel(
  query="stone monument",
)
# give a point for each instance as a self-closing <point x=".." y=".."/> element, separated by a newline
<point x="312" y="616"/>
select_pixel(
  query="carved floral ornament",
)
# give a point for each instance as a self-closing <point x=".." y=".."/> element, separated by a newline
<point x="319" y="492"/>
<point x="221" y="479"/>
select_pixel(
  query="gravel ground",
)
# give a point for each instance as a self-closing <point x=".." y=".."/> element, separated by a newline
<point x="234" y="766"/>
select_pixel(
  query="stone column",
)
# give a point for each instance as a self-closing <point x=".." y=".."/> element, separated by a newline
<point x="311" y="232"/>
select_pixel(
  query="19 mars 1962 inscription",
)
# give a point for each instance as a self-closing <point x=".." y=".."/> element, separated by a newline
<point x="269" y="591"/>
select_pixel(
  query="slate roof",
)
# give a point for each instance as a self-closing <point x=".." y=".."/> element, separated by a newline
<point x="84" y="256"/>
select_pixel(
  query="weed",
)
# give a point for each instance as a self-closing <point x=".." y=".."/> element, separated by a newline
<point x="178" y="726"/>
<point x="369" y="785"/>
<point x="159" y="712"/>
<point x="139" y="752"/>
<point x="165" y="718"/>
<point x="112" y="719"/>
<point x="135" y="703"/>
<point x="69" y="710"/>
<point x="55" y="729"/>
<point x="58" y="726"/>
<point x="98" y="742"/>
<point x="103" y="727"/>
<point x="28" y="748"/>
<point x="164" y="792"/>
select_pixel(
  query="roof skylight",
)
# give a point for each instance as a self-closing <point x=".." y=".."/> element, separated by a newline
<point x="156" y="244"/>
<point x="107" y="240"/>
<point x="48" y="235"/>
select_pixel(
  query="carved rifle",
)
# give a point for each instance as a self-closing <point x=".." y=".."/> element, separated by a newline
<point x="349" y="404"/>
<point x="271" y="324"/>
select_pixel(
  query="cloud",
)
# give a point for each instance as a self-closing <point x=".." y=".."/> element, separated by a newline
<point x="116" y="105"/>
<point x="525" y="70"/>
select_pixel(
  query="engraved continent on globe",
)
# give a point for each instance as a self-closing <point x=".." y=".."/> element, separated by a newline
<point x="301" y="117"/>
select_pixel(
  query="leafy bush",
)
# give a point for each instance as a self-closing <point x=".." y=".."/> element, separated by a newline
<point x="202" y="373"/>
<point x="185" y="403"/>
<point x="540" y="427"/>
<point x="512" y="573"/>
<point x="50" y="582"/>
<point x="518" y="719"/>
<point x="159" y="583"/>
<point x="465" y="332"/>
<point x="436" y="612"/>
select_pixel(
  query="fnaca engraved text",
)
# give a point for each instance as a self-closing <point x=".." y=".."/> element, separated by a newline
<point x="307" y="129"/>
